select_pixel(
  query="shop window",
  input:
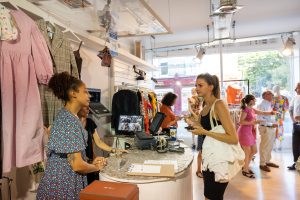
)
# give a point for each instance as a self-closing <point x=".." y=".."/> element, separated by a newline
<point x="164" y="70"/>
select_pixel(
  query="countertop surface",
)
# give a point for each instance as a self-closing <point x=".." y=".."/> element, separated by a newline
<point x="114" y="172"/>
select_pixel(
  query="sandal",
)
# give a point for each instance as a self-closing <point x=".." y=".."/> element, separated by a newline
<point x="199" y="174"/>
<point x="250" y="171"/>
<point x="248" y="174"/>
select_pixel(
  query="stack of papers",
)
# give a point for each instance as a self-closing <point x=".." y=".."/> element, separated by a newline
<point x="163" y="162"/>
<point x="145" y="169"/>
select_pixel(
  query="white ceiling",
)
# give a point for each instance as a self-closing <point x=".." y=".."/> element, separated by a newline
<point x="128" y="17"/>
<point x="188" y="19"/>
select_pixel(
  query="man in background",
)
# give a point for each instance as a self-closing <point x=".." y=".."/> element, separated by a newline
<point x="267" y="130"/>
<point x="294" y="111"/>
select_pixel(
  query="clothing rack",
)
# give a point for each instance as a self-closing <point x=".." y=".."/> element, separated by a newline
<point x="128" y="86"/>
<point x="241" y="80"/>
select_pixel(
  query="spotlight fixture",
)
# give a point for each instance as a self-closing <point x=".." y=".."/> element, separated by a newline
<point x="154" y="80"/>
<point x="289" y="47"/>
<point x="200" y="53"/>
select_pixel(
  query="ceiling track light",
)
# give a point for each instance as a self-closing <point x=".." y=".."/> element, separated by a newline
<point x="201" y="50"/>
<point x="289" y="46"/>
<point x="200" y="53"/>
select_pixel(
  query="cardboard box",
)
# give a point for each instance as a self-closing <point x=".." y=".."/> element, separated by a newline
<point x="102" y="190"/>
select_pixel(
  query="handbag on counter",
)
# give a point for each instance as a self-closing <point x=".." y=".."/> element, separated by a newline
<point x="105" y="56"/>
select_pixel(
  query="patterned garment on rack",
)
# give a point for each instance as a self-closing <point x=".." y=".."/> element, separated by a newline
<point x="280" y="105"/>
<point x="8" y="26"/>
<point x="235" y="117"/>
<point x="153" y="101"/>
<point x="63" y="61"/>
<point x="146" y="116"/>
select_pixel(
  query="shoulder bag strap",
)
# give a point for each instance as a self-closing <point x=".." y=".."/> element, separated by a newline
<point x="212" y="115"/>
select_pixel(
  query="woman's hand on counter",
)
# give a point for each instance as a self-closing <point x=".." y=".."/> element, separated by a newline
<point x="100" y="162"/>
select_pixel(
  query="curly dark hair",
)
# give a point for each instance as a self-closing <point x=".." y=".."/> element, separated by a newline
<point x="169" y="99"/>
<point x="62" y="83"/>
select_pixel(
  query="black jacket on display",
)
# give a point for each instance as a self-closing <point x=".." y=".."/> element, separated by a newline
<point x="125" y="102"/>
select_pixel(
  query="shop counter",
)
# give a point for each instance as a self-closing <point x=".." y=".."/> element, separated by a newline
<point x="178" y="188"/>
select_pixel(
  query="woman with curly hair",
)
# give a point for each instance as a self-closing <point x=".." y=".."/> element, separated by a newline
<point x="66" y="165"/>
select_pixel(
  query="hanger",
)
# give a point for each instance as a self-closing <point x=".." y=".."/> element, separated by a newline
<point x="11" y="3"/>
<point x="69" y="30"/>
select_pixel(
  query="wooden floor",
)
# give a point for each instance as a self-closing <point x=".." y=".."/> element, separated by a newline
<point x="279" y="184"/>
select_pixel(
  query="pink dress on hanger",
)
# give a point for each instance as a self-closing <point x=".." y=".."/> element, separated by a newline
<point x="23" y="63"/>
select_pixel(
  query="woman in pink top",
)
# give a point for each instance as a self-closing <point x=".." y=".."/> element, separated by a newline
<point x="247" y="131"/>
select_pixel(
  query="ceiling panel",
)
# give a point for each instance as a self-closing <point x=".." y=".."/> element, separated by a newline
<point x="188" y="19"/>
<point x="126" y="17"/>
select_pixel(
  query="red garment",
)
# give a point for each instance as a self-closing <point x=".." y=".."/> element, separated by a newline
<point x="146" y="116"/>
<point x="170" y="116"/>
<point x="234" y="95"/>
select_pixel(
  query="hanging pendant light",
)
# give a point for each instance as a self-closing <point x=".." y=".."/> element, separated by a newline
<point x="222" y="12"/>
<point x="227" y="6"/>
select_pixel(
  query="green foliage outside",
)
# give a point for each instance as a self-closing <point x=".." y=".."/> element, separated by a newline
<point x="264" y="70"/>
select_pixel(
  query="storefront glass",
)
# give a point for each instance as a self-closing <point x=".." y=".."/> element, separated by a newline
<point x="263" y="69"/>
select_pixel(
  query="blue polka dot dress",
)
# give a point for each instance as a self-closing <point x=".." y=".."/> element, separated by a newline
<point x="60" y="181"/>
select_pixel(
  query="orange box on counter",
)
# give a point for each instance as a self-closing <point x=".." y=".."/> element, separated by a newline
<point x="102" y="190"/>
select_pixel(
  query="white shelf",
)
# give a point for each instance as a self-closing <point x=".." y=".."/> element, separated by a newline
<point x="89" y="40"/>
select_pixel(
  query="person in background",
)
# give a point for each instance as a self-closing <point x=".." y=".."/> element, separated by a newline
<point x="267" y="129"/>
<point x="90" y="126"/>
<point x="294" y="111"/>
<point x="247" y="131"/>
<point x="208" y="87"/>
<point x="195" y="106"/>
<point x="66" y="166"/>
<point x="171" y="119"/>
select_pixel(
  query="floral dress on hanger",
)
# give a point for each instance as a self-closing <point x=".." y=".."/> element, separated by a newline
<point x="280" y="105"/>
<point x="8" y="26"/>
